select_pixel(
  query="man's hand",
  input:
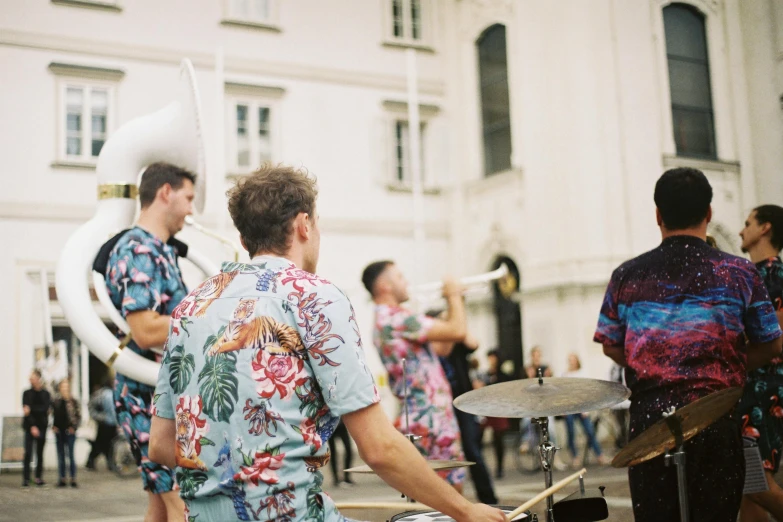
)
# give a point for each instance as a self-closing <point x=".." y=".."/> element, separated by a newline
<point x="34" y="432"/>
<point x="55" y="429"/>
<point x="471" y="343"/>
<point x="26" y="410"/>
<point x="483" y="512"/>
<point x="71" y="431"/>
<point x="451" y="288"/>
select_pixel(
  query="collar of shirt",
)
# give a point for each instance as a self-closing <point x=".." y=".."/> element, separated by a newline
<point x="150" y="235"/>
<point x="686" y="240"/>
<point x="273" y="262"/>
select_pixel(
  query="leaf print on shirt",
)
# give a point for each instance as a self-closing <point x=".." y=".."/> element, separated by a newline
<point x="219" y="387"/>
<point x="190" y="481"/>
<point x="181" y="368"/>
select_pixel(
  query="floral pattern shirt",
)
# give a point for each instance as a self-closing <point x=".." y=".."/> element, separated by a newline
<point x="261" y="362"/>
<point x="144" y="275"/>
<point x="400" y="334"/>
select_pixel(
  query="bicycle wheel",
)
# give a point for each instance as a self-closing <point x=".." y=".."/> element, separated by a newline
<point x="122" y="457"/>
<point x="525" y="450"/>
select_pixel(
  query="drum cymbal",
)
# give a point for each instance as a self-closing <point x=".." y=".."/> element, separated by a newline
<point x="543" y="397"/>
<point x="694" y="417"/>
<point x="435" y="465"/>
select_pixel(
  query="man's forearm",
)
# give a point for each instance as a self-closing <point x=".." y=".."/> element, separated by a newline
<point x="760" y="354"/>
<point x="149" y="329"/>
<point x="617" y="354"/>
<point x="402" y="467"/>
<point x="457" y="316"/>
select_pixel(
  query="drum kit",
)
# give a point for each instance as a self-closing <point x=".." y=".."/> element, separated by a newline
<point x="541" y="398"/>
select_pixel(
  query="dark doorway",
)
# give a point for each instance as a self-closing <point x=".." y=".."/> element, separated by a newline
<point x="509" y="317"/>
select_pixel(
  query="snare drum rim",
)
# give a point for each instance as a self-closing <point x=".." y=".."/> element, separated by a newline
<point x="400" y="517"/>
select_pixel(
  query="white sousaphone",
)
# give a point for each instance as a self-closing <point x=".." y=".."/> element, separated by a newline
<point x="172" y="134"/>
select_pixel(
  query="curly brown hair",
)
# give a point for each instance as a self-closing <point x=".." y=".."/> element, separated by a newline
<point x="264" y="205"/>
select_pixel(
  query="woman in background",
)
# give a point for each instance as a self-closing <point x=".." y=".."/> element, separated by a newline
<point x="66" y="419"/>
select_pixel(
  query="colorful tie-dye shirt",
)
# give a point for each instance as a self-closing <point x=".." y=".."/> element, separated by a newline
<point x="682" y="312"/>
<point x="261" y="362"/>
<point x="142" y="274"/>
<point x="400" y="334"/>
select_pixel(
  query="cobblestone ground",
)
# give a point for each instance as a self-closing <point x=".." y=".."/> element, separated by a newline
<point x="104" y="496"/>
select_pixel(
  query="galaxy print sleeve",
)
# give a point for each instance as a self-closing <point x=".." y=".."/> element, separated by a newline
<point x="611" y="328"/>
<point x="761" y="323"/>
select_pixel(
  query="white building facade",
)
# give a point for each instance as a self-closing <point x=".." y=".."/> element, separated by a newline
<point x="544" y="125"/>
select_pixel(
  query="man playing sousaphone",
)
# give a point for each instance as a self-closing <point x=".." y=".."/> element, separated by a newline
<point x="145" y="284"/>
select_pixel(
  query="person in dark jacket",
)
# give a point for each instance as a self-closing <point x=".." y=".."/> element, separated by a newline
<point x="35" y="404"/>
<point x="67" y="417"/>
<point x="457" y="369"/>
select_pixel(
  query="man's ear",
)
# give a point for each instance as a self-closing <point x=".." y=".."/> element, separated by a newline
<point x="766" y="228"/>
<point x="164" y="193"/>
<point x="709" y="214"/>
<point x="302" y="226"/>
<point x="658" y="217"/>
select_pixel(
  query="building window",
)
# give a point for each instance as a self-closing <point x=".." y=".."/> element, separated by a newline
<point x="251" y="13"/>
<point x="407" y="22"/>
<point x="85" y="120"/>
<point x="251" y="136"/>
<point x="402" y="174"/>
<point x="495" y="113"/>
<point x="689" y="81"/>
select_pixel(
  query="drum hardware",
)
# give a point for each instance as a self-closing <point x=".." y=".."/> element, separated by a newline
<point x="582" y="506"/>
<point x="668" y="437"/>
<point x="540" y="399"/>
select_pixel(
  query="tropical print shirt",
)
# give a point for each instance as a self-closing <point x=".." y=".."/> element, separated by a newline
<point x="683" y="312"/>
<point x="144" y="275"/>
<point x="261" y="362"/>
<point x="400" y="334"/>
<point x="771" y="271"/>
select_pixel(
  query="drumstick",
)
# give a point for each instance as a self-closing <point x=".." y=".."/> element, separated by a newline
<point x="545" y="493"/>
<point x="403" y="506"/>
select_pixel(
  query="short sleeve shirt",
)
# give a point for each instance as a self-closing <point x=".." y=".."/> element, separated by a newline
<point x="261" y="362"/>
<point x="683" y="312"/>
<point x="143" y="274"/>
<point x="771" y="271"/>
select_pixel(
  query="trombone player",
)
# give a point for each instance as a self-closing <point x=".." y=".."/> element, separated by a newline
<point x="401" y="334"/>
<point x="144" y="282"/>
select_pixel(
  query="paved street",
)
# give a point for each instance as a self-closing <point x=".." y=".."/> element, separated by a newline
<point x="105" y="497"/>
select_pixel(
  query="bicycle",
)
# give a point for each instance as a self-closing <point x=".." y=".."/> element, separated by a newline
<point x="123" y="461"/>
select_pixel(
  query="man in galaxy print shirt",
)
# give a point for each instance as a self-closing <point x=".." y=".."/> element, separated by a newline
<point x="760" y="410"/>
<point x="686" y="319"/>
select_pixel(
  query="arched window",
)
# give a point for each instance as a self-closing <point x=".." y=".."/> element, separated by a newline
<point x="495" y="118"/>
<point x="689" y="81"/>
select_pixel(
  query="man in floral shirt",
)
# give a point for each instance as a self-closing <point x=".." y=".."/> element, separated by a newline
<point x="145" y="284"/>
<point x="261" y="363"/>
<point x="401" y="334"/>
<point x="760" y="409"/>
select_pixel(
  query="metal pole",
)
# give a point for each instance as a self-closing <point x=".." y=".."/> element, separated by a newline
<point x="414" y="146"/>
<point x="682" y="483"/>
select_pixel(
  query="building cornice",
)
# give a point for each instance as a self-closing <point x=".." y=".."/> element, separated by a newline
<point x="233" y="64"/>
<point x="329" y="225"/>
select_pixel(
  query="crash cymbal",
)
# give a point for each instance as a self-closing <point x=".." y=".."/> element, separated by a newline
<point x="542" y="397"/>
<point x="694" y="417"/>
<point x="435" y="465"/>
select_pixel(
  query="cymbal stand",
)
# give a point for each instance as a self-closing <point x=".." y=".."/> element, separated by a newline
<point x="546" y="452"/>
<point x="678" y="459"/>
<point x="410" y="436"/>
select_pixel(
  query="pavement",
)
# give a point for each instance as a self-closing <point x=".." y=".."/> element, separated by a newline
<point x="103" y="496"/>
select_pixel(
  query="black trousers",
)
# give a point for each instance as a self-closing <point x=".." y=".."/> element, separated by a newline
<point x="470" y="429"/>
<point x="102" y="444"/>
<point x="342" y="432"/>
<point x="39" y="443"/>
<point x="715" y="474"/>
